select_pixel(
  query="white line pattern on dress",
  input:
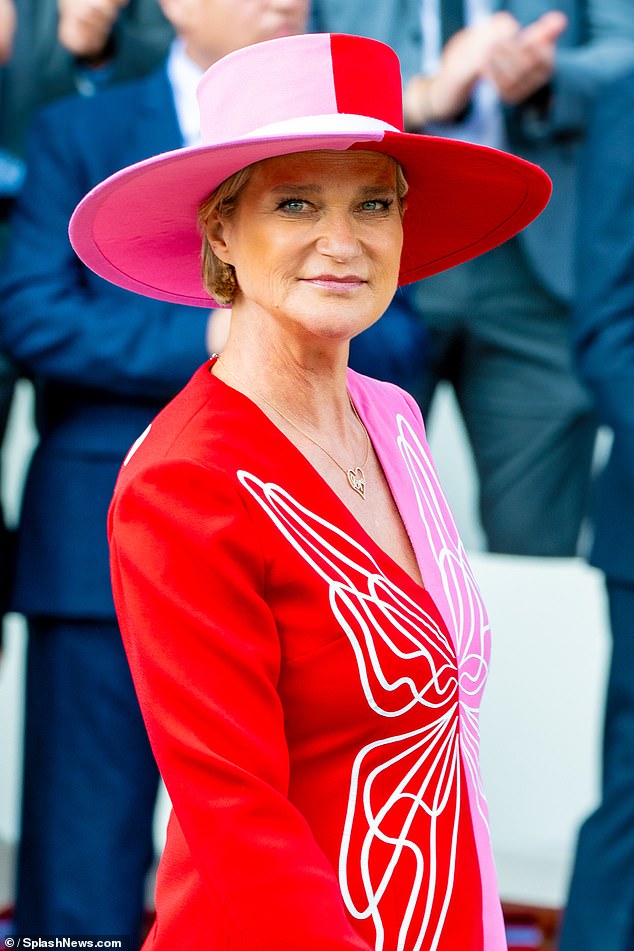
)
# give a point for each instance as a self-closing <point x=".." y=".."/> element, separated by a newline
<point x="422" y="766"/>
<point x="463" y="600"/>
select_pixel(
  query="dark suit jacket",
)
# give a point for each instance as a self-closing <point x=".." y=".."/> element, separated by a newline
<point x="41" y="70"/>
<point x="107" y="359"/>
<point x="597" y="46"/>
<point x="603" y="318"/>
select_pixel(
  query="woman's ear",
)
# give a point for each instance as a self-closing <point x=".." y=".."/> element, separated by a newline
<point x="216" y="231"/>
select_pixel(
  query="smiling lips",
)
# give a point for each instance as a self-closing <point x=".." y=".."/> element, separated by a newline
<point x="331" y="282"/>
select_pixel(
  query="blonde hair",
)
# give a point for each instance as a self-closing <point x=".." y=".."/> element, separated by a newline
<point x="219" y="279"/>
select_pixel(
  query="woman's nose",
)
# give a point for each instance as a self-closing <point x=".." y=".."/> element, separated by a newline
<point x="339" y="237"/>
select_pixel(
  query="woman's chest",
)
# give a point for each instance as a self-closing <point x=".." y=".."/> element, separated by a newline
<point x="360" y="641"/>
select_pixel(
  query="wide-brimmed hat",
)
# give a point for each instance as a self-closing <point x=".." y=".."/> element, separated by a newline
<point x="138" y="228"/>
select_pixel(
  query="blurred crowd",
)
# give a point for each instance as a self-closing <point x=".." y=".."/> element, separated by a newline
<point x="536" y="339"/>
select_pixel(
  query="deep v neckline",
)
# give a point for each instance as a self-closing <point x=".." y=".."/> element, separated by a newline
<point x="359" y="529"/>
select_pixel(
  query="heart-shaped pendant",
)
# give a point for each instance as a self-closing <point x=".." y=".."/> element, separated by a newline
<point x="356" y="478"/>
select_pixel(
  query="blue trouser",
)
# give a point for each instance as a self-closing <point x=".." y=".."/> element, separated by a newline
<point x="90" y="784"/>
<point x="600" y="910"/>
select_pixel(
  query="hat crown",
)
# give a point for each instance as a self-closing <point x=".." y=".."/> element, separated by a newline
<point x="289" y="80"/>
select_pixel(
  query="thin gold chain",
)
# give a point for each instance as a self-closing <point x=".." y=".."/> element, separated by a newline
<point x="348" y="472"/>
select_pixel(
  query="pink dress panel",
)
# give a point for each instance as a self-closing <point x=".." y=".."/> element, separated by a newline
<point x="398" y="438"/>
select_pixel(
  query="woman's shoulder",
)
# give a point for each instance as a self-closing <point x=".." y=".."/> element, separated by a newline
<point x="197" y="429"/>
<point x="180" y="474"/>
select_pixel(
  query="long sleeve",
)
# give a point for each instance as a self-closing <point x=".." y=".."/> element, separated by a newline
<point x="190" y="584"/>
<point x="603" y="316"/>
<point x="57" y="319"/>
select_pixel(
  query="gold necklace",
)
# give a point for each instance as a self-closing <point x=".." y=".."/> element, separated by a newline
<point x="355" y="475"/>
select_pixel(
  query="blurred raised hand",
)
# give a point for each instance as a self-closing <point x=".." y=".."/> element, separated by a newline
<point x="518" y="60"/>
<point x="7" y="29"/>
<point x="464" y="59"/>
<point x="523" y="61"/>
<point x="85" y="26"/>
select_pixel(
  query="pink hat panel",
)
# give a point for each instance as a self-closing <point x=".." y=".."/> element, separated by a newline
<point x="367" y="79"/>
<point x="250" y="88"/>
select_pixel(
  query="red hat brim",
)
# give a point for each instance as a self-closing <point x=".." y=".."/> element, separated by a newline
<point x="138" y="228"/>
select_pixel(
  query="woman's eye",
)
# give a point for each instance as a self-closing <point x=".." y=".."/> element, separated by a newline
<point x="376" y="204"/>
<point x="293" y="205"/>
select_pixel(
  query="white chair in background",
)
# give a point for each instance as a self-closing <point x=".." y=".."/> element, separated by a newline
<point x="541" y="716"/>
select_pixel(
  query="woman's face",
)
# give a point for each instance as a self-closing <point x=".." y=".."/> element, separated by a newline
<point x="315" y="242"/>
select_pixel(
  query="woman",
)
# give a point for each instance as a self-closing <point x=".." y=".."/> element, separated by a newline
<point x="306" y="638"/>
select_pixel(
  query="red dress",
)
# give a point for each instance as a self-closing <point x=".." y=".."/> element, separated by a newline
<point x="312" y="714"/>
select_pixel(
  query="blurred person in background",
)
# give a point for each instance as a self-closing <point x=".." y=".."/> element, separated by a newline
<point x="105" y="361"/>
<point x="10" y="177"/>
<point x="520" y="75"/>
<point x="600" y="910"/>
<point x="67" y="46"/>
<point x="49" y="50"/>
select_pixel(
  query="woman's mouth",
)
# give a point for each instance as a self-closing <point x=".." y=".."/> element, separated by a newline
<point x="333" y="282"/>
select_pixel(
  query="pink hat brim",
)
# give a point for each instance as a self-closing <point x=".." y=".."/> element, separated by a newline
<point x="138" y="228"/>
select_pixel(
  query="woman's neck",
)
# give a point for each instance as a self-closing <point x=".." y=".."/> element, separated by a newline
<point x="304" y="380"/>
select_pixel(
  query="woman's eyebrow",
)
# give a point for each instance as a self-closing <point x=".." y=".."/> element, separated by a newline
<point x="294" y="187"/>
<point x="378" y="186"/>
<point x="308" y="188"/>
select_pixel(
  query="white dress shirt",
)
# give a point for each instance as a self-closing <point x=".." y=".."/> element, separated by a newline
<point x="184" y="76"/>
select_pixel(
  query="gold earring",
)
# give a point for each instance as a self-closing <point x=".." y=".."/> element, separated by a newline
<point x="226" y="284"/>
